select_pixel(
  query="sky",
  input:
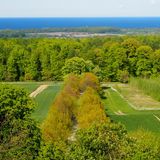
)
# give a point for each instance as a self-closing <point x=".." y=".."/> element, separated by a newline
<point x="79" y="8"/>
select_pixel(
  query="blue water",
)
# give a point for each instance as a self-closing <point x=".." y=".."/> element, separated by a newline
<point x="30" y="23"/>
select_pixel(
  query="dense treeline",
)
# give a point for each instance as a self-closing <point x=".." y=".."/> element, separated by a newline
<point x="110" y="58"/>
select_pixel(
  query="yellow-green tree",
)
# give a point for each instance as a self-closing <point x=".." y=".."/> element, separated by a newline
<point x="90" y="109"/>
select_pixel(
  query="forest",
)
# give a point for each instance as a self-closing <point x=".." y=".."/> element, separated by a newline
<point x="112" y="58"/>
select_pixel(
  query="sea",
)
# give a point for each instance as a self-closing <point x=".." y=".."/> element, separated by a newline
<point x="44" y="23"/>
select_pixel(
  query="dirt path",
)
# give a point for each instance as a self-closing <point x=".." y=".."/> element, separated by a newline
<point x="73" y="134"/>
<point x="120" y="113"/>
<point x="38" y="90"/>
<point x="157" y="117"/>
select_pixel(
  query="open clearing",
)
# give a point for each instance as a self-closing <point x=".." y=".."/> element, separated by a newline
<point x="133" y="116"/>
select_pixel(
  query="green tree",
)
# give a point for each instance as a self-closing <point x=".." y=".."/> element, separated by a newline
<point x="19" y="136"/>
<point x="102" y="141"/>
<point x="74" y="65"/>
<point x="144" y="64"/>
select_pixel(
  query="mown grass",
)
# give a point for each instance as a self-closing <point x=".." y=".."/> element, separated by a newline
<point x="136" y="97"/>
<point x="115" y="102"/>
<point x="133" y="119"/>
<point x="150" y="87"/>
<point x="28" y="86"/>
<point x="135" y="122"/>
<point x="44" y="101"/>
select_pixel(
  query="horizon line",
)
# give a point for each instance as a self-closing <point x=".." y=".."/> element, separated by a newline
<point x="85" y="17"/>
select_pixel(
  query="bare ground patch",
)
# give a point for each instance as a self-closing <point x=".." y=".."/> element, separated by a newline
<point x="137" y="98"/>
<point x="38" y="91"/>
<point x="157" y="117"/>
<point x="119" y="113"/>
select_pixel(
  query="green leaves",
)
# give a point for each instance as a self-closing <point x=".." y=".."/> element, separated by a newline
<point x="74" y="65"/>
<point x="19" y="136"/>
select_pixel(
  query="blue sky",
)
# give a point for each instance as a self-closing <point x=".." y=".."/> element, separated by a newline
<point x="79" y="8"/>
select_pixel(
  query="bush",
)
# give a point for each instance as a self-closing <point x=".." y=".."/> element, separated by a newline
<point x="19" y="136"/>
<point x="101" y="141"/>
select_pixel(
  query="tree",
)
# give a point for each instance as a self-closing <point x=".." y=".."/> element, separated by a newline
<point x="102" y="141"/>
<point x="144" y="64"/>
<point x="90" y="109"/>
<point x="74" y="65"/>
<point x="19" y="136"/>
<point x="89" y="80"/>
<point x="155" y="59"/>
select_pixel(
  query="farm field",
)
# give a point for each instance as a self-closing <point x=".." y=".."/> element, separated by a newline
<point x="122" y="109"/>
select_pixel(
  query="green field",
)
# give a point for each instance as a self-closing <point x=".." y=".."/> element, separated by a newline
<point x="43" y="100"/>
<point x="120" y="110"/>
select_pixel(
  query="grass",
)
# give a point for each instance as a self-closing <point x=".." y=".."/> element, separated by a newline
<point x="28" y="86"/>
<point x="150" y="87"/>
<point x="44" y="102"/>
<point x="115" y="102"/>
<point x="132" y="119"/>
<point x="139" y="100"/>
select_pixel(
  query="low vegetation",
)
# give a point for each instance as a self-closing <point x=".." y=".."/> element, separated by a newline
<point x="150" y="87"/>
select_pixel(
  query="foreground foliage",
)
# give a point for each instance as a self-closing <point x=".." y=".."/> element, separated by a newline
<point x="19" y="136"/>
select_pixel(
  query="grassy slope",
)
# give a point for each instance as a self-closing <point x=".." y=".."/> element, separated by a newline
<point x="133" y="119"/>
<point x="44" y="101"/>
